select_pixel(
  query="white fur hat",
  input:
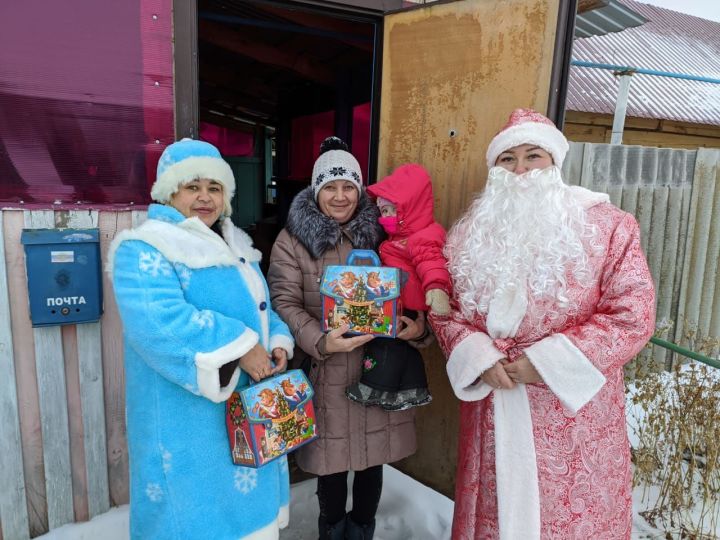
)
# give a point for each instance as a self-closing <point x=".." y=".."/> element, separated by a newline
<point x="526" y="126"/>
<point x="187" y="160"/>
<point x="335" y="163"/>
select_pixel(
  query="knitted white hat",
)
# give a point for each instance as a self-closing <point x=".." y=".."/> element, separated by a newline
<point x="335" y="163"/>
<point x="526" y="126"/>
<point x="187" y="160"/>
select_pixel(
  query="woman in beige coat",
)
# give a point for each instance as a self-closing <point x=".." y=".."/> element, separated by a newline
<point x="326" y="221"/>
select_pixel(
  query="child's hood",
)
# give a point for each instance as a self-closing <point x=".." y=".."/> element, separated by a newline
<point x="409" y="188"/>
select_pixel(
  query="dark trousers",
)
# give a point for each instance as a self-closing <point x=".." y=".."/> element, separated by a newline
<point x="332" y="495"/>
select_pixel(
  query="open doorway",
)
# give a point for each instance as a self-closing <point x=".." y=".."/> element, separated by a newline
<point x="274" y="81"/>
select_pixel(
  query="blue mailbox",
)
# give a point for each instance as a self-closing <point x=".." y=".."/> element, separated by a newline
<point x="64" y="275"/>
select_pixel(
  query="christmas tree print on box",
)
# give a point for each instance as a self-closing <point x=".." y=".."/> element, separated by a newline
<point x="271" y="418"/>
<point x="364" y="297"/>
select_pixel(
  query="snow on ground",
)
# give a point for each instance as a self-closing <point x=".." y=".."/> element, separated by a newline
<point x="408" y="510"/>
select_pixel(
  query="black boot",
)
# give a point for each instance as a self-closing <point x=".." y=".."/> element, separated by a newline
<point x="355" y="531"/>
<point x="335" y="531"/>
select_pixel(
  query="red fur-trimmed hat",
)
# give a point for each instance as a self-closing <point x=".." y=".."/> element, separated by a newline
<point x="526" y="126"/>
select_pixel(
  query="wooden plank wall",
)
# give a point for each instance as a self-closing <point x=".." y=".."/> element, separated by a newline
<point x="597" y="128"/>
<point x="13" y="510"/>
<point x="63" y="447"/>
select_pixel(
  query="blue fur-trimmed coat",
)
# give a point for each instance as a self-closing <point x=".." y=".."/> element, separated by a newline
<point x="191" y="302"/>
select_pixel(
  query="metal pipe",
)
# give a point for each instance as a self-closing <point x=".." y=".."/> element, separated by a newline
<point x="614" y="67"/>
<point x="621" y="107"/>
<point x="686" y="352"/>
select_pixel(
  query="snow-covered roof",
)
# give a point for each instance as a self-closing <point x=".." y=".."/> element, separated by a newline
<point x="669" y="42"/>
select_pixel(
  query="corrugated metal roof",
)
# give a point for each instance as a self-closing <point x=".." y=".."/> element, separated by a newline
<point x="669" y="41"/>
<point x="614" y="17"/>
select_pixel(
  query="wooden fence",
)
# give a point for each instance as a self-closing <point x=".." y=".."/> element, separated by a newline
<point x="63" y="453"/>
<point x="675" y="195"/>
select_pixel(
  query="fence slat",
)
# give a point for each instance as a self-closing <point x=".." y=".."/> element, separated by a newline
<point x="710" y="306"/>
<point x="655" y="185"/>
<point x="93" y="407"/>
<point x="138" y="216"/>
<point x="113" y="371"/>
<point x="53" y="406"/>
<point x="89" y="341"/>
<point x="13" y="508"/>
<point x="694" y="276"/>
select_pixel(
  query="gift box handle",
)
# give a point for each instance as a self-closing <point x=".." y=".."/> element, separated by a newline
<point x="367" y="254"/>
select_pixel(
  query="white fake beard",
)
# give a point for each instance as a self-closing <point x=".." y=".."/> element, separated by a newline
<point x="524" y="232"/>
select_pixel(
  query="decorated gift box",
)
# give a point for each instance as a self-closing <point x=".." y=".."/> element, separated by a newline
<point x="367" y="298"/>
<point x="271" y="418"/>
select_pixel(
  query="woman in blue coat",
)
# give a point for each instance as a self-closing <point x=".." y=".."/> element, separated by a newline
<point x="197" y="325"/>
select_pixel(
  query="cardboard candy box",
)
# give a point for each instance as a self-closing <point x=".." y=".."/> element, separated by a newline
<point x="365" y="297"/>
<point x="271" y="418"/>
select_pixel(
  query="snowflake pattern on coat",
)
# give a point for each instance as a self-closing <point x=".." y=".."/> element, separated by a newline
<point x="583" y="462"/>
<point x="166" y="459"/>
<point x="154" y="263"/>
<point x="154" y="492"/>
<point x="184" y="275"/>
<point x="203" y="318"/>
<point x="245" y="480"/>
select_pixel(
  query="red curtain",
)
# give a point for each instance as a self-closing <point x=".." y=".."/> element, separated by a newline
<point x="309" y="131"/>
<point x="229" y="141"/>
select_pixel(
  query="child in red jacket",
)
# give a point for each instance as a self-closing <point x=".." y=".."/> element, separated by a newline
<point x="393" y="371"/>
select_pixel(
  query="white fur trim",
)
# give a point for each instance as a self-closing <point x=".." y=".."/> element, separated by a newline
<point x="284" y="516"/>
<point x="268" y="532"/>
<point x="208" y="381"/>
<point x="506" y="312"/>
<point x="256" y="285"/>
<point x="190" y="242"/>
<point x="468" y="360"/>
<point x="240" y="242"/>
<point x="518" y="493"/>
<point x="282" y="342"/>
<point x="587" y="198"/>
<point x="194" y="168"/>
<point x="566" y="370"/>
<point x="547" y="137"/>
<point x="191" y="246"/>
<point x="208" y="365"/>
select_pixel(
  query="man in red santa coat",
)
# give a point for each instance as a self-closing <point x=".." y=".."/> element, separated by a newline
<point x="552" y="296"/>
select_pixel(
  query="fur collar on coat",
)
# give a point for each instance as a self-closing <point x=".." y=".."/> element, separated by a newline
<point x="318" y="233"/>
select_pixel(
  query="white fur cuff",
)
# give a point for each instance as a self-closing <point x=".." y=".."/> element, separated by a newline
<point x="282" y="342"/>
<point x="566" y="370"/>
<point x="471" y="358"/>
<point x="208" y="366"/>
<point x="283" y="516"/>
